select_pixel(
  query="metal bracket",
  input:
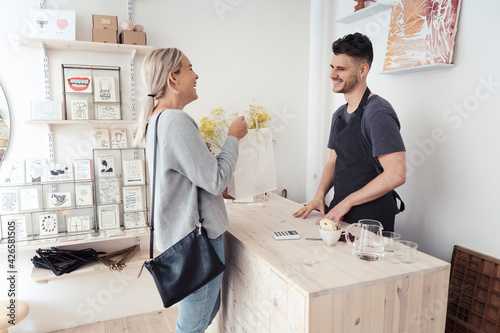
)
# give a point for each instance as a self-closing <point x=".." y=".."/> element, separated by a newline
<point x="130" y="18"/>
<point x="132" y="84"/>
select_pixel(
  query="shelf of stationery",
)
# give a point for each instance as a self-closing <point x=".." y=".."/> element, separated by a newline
<point x="68" y="45"/>
<point x="364" y="13"/>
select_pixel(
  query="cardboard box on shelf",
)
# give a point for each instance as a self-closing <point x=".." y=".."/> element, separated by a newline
<point x="52" y="24"/>
<point x="104" y="22"/>
<point x="104" y="36"/>
<point x="133" y="37"/>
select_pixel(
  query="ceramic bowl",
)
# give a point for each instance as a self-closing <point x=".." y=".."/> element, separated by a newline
<point x="330" y="237"/>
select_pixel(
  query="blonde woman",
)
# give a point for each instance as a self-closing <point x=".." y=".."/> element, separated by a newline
<point x="185" y="166"/>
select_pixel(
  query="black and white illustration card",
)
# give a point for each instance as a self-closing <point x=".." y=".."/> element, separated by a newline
<point x="29" y="198"/>
<point x="119" y="138"/>
<point x="12" y="172"/>
<point x="101" y="138"/>
<point x="106" y="166"/>
<point x="79" y="109"/>
<point x="14" y="221"/>
<point x="60" y="172"/>
<point x="78" y="223"/>
<point x="83" y="195"/>
<point x="108" y="112"/>
<point x="9" y="201"/>
<point x="83" y="169"/>
<point x="133" y="172"/>
<point x="36" y="170"/>
<point x="105" y="89"/>
<point x="59" y="199"/>
<point x="109" y="190"/>
<point x="134" y="219"/>
<point x="132" y="199"/>
<point x="48" y="224"/>
<point x="109" y="216"/>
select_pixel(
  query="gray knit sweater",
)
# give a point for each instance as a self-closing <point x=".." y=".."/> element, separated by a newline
<point x="183" y="163"/>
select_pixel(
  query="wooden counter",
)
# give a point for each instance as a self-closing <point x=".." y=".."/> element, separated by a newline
<point x="305" y="286"/>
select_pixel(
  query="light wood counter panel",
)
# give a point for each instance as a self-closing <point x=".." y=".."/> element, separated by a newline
<point x="305" y="286"/>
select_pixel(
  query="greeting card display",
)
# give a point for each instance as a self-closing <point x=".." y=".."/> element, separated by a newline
<point x="29" y="198"/>
<point x="60" y="172"/>
<point x="14" y="221"/>
<point x="12" y="172"/>
<point x="48" y="224"/>
<point x="109" y="216"/>
<point x="133" y="172"/>
<point x="106" y="166"/>
<point x="109" y="190"/>
<point x="83" y="169"/>
<point x="119" y="138"/>
<point x="78" y="223"/>
<point x="134" y="219"/>
<point x="83" y="195"/>
<point x="101" y="138"/>
<point x="36" y="170"/>
<point x="132" y="198"/>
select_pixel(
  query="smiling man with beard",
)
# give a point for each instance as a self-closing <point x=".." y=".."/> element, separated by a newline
<point x="367" y="154"/>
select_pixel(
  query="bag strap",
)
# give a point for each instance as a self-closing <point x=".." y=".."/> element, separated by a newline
<point x="152" y="228"/>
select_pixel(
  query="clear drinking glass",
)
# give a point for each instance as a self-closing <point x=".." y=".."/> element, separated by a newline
<point x="389" y="237"/>
<point x="405" y="251"/>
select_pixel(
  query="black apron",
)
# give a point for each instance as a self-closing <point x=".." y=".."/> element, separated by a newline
<point x="354" y="168"/>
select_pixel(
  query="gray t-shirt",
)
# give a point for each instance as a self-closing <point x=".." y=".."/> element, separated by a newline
<point x="380" y="128"/>
<point x="184" y="163"/>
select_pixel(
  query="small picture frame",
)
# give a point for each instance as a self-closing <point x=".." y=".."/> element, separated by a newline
<point x="36" y="170"/>
<point x="133" y="172"/>
<point x="108" y="112"/>
<point x="134" y="220"/>
<point x="101" y="138"/>
<point x="9" y="201"/>
<point x="105" y="89"/>
<point x="118" y="138"/>
<point x="12" y="172"/>
<point x="46" y="110"/>
<point x="20" y="223"/>
<point x="29" y="199"/>
<point x="109" y="190"/>
<point x="106" y="166"/>
<point x="83" y="169"/>
<point x="78" y="223"/>
<point x="59" y="199"/>
<point x="108" y="216"/>
<point x="83" y="195"/>
<point x="132" y="199"/>
<point x="48" y="224"/>
<point x="60" y="172"/>
<point x="79" y="109"/>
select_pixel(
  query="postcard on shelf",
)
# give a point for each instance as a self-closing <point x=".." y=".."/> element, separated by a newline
<point x="106" y="166"/>
<point x="132" y="198"/>
<point x="77" y="80"/>
<point x="19" y="221"/>
<point x="36" y="170"/>
<point x="134" y="219"/>
<point x="118" y="138"/>
<point x="46" y="110"/>
<point x="108" y="112"/>
<point x="83" y="169"/>
<point x="101" y="138"/>
<point x="59" y="199"/>
<point x="105" y="89"/>
<point x="114" y="232"/>
<point x="29" y="198"/>
<point x="60" y="172"/>
<point x="133" y="172"/>
<point x="109" y="190"/>
<point x="9" y="201"/>
<point x="78" y="223"/>
<point x="12" y="172"/>
<point x="83" y="195"/>
<point x="109" y="216"/>
<point x="48" y="224"/>
<point x="52" y="24"/>
<point x="79" y="109"/>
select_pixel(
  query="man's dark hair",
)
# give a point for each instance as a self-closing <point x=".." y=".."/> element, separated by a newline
<point x="355" y="45"/>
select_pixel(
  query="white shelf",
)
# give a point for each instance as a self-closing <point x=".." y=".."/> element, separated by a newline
<point x="365" y="12"/>
<point x="418" y="69"/>
<point x="69" y="45"/>
<point x="80" y="122"/>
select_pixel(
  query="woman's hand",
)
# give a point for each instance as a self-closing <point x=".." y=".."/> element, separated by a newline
<point x="238" y="128"/>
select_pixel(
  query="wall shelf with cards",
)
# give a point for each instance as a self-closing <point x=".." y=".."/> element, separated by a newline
<point x="364" y="13"/>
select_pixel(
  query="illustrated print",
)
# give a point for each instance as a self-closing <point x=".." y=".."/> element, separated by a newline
<point x="101" y="137"/>
<point x="36" y="171"/>
<point x="107" y="165"/>
<point x="48" y="224"/>
<point x="80" y="109"/>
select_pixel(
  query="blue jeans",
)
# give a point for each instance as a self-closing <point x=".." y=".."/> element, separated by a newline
<point x="197" y="310"/>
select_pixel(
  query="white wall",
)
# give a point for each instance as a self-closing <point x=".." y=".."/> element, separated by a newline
<point x="452" y="191"/>
<point x="242" y="51"/>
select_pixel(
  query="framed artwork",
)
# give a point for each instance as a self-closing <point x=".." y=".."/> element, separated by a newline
<point x="109" y="190"/>
<point x="83" y="169"/>
<point x="106" y="166"/>
<point x="19" y="221"/>
<point x="48" y="224"/>
<point x="59" y="199"/>
<point x="78" y="223"/>
<point x="77" y="80"/>
<point x="134" y="219"/>
<point x="133" y="172"/>
<point x="79" y="109"/>
<point x="46" y="110"/>
<point x="12" y="172"/>
<point x="108" y="112"/>
<point x="36" y="170"/>
<point x="29" y="198"/>
<point x="101" y="138"/>
<point x="109" y="216"/>
<point x="83" y="195"/>
<point x="105" y="89"/>
<point x="9" y="201"/>
<point x="132" y="198"/>
<point x="119" y="138"/>
<point x="60" y="172"/>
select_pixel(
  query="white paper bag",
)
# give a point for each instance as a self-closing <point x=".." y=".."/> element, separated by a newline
<point x="255" y="171"/>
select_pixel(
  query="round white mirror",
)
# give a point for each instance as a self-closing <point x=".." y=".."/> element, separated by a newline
<point x="4" y="124"/>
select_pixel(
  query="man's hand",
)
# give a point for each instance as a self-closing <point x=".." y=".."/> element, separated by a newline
<point x="338" y="212"/>
<point x="317" y="203"/>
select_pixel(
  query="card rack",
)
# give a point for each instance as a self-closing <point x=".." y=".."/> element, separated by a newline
<point x="474" y="293"/>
